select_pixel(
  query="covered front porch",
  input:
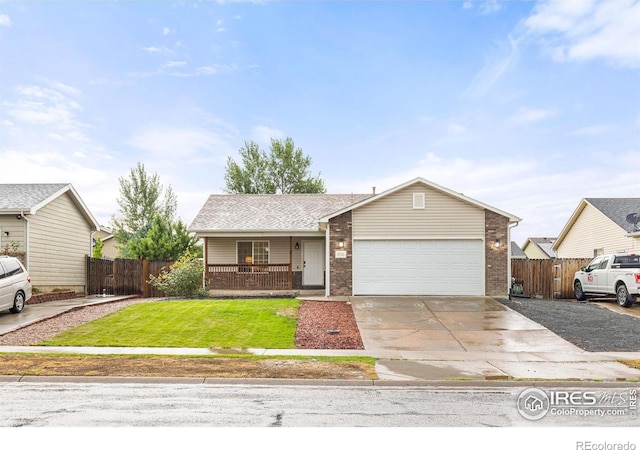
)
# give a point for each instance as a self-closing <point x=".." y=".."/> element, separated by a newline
<point x="264" y="264"/>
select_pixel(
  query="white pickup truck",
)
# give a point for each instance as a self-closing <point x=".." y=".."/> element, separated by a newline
<point x="617" y="274"/>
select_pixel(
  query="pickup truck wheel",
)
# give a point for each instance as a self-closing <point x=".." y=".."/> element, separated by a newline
<point x="577" y="289"/>
<point x="623" y="297"/>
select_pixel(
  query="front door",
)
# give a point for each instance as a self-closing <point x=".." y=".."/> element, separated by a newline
<point x="312" y="267"/>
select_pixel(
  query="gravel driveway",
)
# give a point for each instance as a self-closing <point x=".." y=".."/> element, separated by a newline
<point x="589" y="326"/>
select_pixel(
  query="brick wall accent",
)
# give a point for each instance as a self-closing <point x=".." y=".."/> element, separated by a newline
<point x="496" y="258"/>
<point x="51" y="296"/>
<point x="341" y="269"/>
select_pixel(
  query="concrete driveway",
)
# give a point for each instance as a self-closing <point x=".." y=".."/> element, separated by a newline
<point x="477" y="338"/>
<point x="405" y="325"/>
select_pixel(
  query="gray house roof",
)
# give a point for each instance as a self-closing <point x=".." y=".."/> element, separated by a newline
<point x="617" y="210"/>
<point x="29" y="198"/>
<point x="545" y="244"/>
<point x="269" y="212"/>
<point x="516" y="251"/>
<point x="25" y="197"/>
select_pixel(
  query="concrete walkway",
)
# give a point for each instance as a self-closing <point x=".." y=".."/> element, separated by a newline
<point x="414" y="339"/>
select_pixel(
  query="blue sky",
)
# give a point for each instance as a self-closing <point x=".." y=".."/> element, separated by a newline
<point x="528" y="106"/>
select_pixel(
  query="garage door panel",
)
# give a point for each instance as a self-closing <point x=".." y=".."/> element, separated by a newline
<point x="418" y="267"/>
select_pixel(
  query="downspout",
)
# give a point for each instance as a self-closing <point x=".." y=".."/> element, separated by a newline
<point x="26" y="241"/>
<point x="509" y="228"/>
<point x="327" y="281"/>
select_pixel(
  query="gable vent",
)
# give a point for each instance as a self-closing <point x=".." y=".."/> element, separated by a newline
<point x="418" y="200"/>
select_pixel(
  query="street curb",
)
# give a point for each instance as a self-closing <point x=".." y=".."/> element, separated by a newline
<point x="489" y="384"/>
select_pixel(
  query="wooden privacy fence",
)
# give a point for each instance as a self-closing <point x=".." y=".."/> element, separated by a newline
<point x="546" y="278"/>
<point x="123" y="276"/>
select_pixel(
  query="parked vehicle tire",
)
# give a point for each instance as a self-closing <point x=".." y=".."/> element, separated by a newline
<point x="18" y="303"/>
<point x="624" y="298"/>
<point x="577" y="289"/>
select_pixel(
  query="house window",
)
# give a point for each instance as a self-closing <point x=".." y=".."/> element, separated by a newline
<point x="418" y="200"/>
<point x="253" y="252"/>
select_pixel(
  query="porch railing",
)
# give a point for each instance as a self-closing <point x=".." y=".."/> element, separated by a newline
<point x="249" y="276"/>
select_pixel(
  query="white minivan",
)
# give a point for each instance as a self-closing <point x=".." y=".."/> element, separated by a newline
<point x="15" y="284"/>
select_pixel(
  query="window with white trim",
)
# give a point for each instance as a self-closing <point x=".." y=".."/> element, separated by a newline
<point x="418" y="200"/>
<point x="253" y="252"/>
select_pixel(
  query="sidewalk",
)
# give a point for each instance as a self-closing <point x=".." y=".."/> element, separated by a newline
<point x="392" y="365"/>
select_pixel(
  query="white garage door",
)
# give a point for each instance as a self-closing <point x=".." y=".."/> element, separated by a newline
<point x="418" y="267"/>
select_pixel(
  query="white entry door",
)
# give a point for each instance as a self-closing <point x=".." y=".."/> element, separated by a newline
<point x="312" y="268"/>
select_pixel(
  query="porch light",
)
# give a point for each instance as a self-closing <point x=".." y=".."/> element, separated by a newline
<point x="297" y="246"/>
<point x="340" y="243"/>
<point x="496" y="244"/>
<point x="6" y="233"/>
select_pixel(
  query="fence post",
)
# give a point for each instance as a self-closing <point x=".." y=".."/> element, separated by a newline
<point x="145" y="278"/>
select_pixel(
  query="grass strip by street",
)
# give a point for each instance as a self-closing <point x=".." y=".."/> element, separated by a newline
<point x="260" y="323"/>
<point x="206" y="366"/>
<point x="635" y="363"/>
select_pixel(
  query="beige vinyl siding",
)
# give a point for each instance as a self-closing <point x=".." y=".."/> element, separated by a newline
<point x="394" y="216"/>
<point x="222" y="250"/>
<point x="16" y="229"/>
<point x="534" y="252"/>
<point x="60" y="238"/>
<point x="593" y="230"/>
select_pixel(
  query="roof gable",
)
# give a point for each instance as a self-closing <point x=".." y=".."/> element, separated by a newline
<point x="29" y="198"/>
<point x="456" y="195"/>
<point x="615" y="209"/>
<point x="544" y="244"/>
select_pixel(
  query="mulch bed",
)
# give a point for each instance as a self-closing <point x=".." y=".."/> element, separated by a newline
<point x="327" y="325"/>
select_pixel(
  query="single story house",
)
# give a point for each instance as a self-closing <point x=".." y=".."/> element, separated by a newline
<point x="110" y="249"/>
<point x="539" y="248"/>
<point x="599" y="226"/>
<point x="417" y="238"/>
<point x="50" y="228"/>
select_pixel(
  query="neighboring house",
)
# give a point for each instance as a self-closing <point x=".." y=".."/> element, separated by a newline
<point x="110" y="249"/>
<point x="598" y="226"/>
<point x="50" y="228"/>
<point x="539" y="248"/>
<point x="516" y="251"/>
<point x="415" y="239"/>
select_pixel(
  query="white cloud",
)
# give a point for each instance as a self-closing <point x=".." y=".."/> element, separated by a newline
<point x="496" y="65"/>
<point x="262" y="135"/>
<point x="532" y="115"/>
<point x="5" y="20"/>
<point x="527" y="188"/>
<point x="582" y="30"/>
<point x="167" y="30"/>
<point x="169" y="142"/>
<point x="594" y="130"/>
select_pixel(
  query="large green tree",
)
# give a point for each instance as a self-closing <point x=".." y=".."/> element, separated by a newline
<point x="142" y="198"/>
<point x="162" y="240"/>
<point x="285" y="170"/>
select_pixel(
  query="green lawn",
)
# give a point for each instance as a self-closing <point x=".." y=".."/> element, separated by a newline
<point x="191" y="323"/>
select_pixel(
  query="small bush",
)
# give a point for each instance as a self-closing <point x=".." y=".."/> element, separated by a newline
<point x="184" y="278"/>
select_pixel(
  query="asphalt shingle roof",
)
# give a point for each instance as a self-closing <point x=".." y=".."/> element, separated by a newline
<point x="617" y="209"/>
<point x="26" y="196"/>
<point x="269" y="212"/>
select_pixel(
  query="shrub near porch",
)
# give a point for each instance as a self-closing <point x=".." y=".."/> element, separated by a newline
<point x="191" y="323"/>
